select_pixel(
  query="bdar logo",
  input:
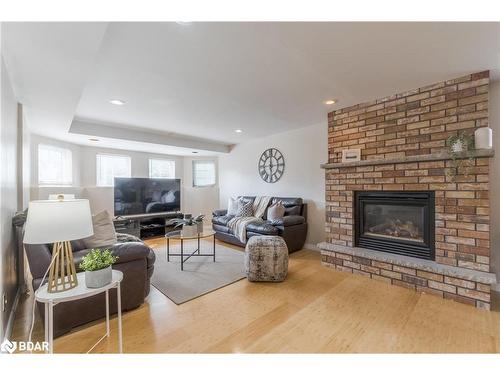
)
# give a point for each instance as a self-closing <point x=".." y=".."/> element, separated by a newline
<point x="8" y="346"/>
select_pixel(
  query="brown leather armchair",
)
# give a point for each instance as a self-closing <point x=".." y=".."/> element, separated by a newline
<point x="135" y="260"/>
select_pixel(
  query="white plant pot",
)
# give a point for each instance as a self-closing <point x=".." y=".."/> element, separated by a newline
<point x="458" y="146"/>
<point x="483" y="138"/>
<point x="189" y="230"/>
<point x="99" y="278"/>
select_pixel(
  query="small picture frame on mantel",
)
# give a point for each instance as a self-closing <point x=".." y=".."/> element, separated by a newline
<point x="351" y="155"/>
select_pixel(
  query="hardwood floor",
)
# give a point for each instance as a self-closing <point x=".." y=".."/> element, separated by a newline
<point x="316" y="310"/>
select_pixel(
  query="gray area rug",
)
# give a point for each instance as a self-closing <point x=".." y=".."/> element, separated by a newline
<point x="201" y="275"/>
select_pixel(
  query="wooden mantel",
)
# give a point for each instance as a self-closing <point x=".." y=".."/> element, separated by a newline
<point x="411" y="159"/>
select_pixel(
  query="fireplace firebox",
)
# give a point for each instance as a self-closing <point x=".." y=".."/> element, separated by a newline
<point x="396" y="222"/>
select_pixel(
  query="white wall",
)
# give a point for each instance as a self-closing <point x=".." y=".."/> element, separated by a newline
<point x="24" y="159"/>
<point x="8" y="196"/>
<point x="304" y="150"/>
<point x="494" y="112"/>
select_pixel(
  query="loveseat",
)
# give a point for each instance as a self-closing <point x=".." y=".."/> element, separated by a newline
<point x="292" y="227"/>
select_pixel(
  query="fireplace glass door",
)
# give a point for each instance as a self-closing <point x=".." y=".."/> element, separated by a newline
<point x="399" y="222"/>
<point x="396" y="222"/>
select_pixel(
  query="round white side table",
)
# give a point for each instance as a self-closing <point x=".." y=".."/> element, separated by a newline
<point x="79" y="292"/>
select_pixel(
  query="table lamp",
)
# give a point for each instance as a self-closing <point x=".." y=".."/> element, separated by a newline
<point x="58" y="222"/>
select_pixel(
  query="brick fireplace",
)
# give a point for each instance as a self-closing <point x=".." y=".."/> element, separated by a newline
<point x="402" y="139"/>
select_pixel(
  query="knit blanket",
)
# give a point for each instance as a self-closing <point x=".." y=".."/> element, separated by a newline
<point x="238" y="225"/>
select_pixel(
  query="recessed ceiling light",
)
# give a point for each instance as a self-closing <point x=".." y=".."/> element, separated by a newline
<point x="238" y="131"/>
<point x="93" y="139"/>
<point x="117" y="102"/>
<point x="330" y="102"/>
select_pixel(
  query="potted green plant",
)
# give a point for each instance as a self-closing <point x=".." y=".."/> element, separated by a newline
<point x="97" y="266"/>
<point x="460" y="142"/>
<point x="460" y="147"/>
<point x="191" y="226"/>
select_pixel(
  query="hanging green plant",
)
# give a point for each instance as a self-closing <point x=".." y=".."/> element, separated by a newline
<point x="460" y="149"/>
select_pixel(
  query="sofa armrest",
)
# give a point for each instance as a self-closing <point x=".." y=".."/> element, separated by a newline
<point x="39" y="258"/>
<point x="288" y="221"/>
<point x="129" y="251"/>
<point x="221" y="212"/>
<point x="126" y="252"/>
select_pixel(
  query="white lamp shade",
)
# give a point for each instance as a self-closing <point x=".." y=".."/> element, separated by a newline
<point x="52" y="221"/>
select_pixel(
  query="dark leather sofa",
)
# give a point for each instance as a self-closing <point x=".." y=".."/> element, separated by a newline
<point x="293" y="226"/>
<point x="136" y="261"/>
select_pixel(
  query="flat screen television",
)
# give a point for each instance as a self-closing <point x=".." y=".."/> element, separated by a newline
<point x="135" y="196"/>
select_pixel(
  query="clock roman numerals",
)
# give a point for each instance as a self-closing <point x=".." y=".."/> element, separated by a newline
<point x="271" y="165"/>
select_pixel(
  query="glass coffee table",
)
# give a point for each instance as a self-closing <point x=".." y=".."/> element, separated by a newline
<point x="177" y="235"/>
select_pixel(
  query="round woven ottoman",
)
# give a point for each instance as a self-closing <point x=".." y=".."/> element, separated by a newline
<point x="266" y="258"/>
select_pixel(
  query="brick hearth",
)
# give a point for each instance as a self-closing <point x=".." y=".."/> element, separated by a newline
<point x="403" y="147"/>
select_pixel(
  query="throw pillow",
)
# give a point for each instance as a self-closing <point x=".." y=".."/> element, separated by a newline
<point x="232" y="206"/>
<point x="104" y="231"/>
<point x="293" y="210"/>
<point x="244" y="209"/>
<point x="276" y="211"/>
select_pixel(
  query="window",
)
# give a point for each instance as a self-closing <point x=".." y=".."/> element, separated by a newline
<point x="161" y="168"/>
<point x="111" y="166"/>
<point x="203" y="173"/>
<point x="55" y="166"/>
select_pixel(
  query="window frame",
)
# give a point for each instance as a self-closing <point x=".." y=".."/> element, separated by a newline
<point x="161" y="159"/>
<point x="69" y="154"/>
<point x="194" y="171"/>
<point x="97" y="170"/>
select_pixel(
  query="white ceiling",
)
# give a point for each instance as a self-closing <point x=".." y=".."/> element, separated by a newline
<point x="199" y="82"/>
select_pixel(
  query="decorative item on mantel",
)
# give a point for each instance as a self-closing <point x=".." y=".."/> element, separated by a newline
<point x="190" y="226"/>
<point x="459" y="144"/>
<point x="351" y="155"/>
<point x="483" y="138"/>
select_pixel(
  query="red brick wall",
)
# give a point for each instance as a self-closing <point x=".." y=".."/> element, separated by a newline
<point x="416" y="122"/>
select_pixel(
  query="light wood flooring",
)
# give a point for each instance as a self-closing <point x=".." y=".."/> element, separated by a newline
<point x="316" y="310"/>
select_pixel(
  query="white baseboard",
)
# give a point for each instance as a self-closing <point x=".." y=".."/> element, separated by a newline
<point x="12" y="316"/>
<point x="311" y="246"/>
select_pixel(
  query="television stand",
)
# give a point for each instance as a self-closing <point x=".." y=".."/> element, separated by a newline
<point x="146" y="225"/>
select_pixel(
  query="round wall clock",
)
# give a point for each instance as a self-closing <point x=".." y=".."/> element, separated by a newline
<point x="271" y="165"/>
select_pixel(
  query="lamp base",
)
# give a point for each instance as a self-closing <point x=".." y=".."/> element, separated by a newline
<point x="62" y="273"/>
